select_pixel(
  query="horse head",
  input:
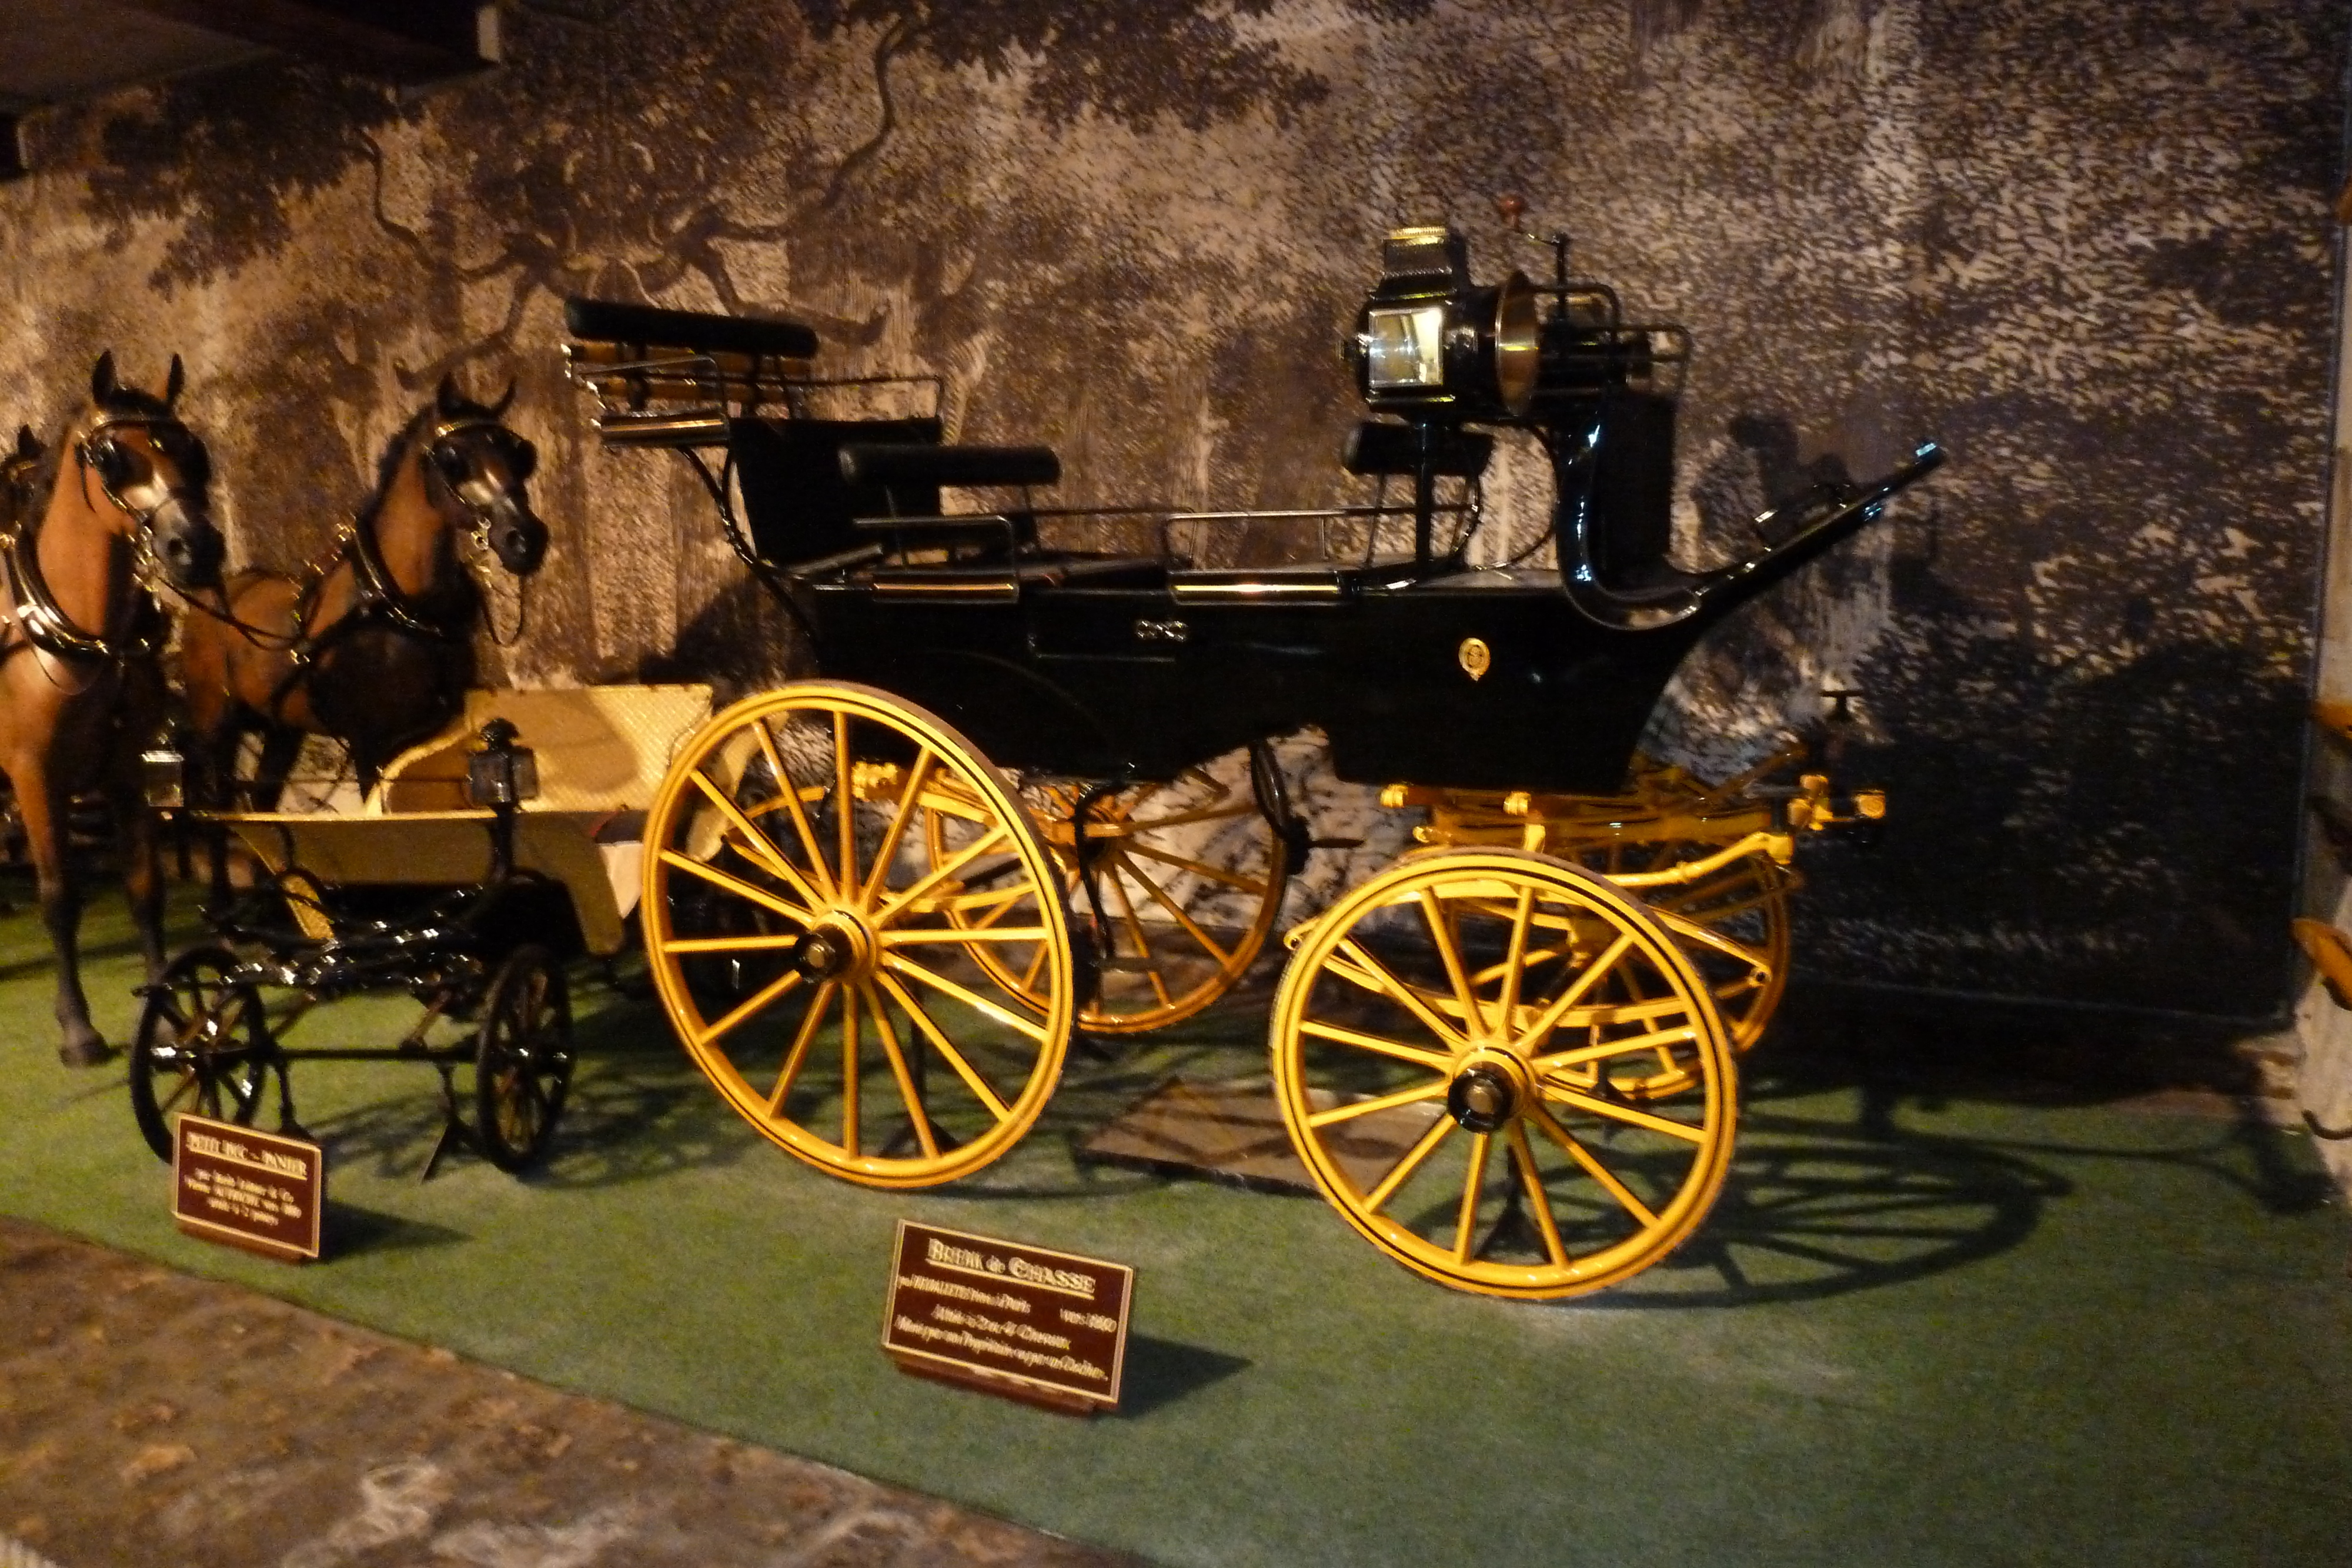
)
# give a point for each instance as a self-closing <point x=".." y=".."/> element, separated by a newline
<point x="153" y="471"/>
<point x="481" y="469"/>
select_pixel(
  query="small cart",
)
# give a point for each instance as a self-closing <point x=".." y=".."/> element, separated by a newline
<point x="483" y="860"/>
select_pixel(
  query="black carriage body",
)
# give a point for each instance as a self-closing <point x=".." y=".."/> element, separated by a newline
<point x="1149" y="676"/>
<point x="1419" y="671"/>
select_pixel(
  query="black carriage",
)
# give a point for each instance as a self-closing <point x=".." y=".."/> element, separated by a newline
<point x="1033" y="789"/>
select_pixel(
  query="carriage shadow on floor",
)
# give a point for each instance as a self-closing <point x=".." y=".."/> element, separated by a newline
<point x="1822" y="1205"/>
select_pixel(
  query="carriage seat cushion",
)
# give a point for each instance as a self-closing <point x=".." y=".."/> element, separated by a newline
<point x="893" y="463"/>
<point x="650" y="326"/>
<point x="1395" y="449"/>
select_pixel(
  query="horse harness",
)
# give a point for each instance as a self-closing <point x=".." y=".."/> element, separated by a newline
<point x="33" y="617"/>
<point x="380" y="600"/>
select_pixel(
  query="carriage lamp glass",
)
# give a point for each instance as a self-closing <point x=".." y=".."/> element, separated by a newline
<point x="1474" y="353"/>
<point x="163" y="776"/>
<point x="1404" y="347"/>
<point x="502" y="773"/>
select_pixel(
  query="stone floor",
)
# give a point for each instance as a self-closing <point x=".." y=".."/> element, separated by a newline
<point x="148" y="1417"/>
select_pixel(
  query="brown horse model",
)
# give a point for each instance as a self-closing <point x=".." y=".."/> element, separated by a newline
<point x="373" y="646"/>
<point x="80" y="691"/>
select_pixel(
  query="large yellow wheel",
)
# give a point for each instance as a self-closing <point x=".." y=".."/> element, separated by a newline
<point x="833" y="980"/>
<point x="1185" y="878"/>
<point x="1457" y="1046"/>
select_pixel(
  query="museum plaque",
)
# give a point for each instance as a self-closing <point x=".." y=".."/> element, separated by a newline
<point x="257" y="1190"/>
<point x="1032" y="1325"/>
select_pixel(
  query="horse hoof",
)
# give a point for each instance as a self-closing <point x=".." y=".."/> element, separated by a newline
<point x="90" y="1052"/>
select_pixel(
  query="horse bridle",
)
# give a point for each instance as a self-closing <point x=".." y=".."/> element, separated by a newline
<point x="449" y="475"/>
<point x="43" y="620"/>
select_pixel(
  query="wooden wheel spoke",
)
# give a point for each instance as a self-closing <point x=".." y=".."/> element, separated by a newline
<point x="909" y="936"/>
<point x="955" y="1059"/>
<point x="1466" y="1223"/>
<point x="761" y="849"/>
<point x="844" y="809"/>
<point x="1201" y="868"/>
<point x="760" y="943"/>
<point x="941" y="874"/>
<point x="751" y="1006"/>
<point x="1210" y="813"/>
<point x="789" y="793"/>
<point x="1558" y="1007"/>
<point x="1535" y="957"/>
<point x="980" y="1004"/>
<point x="810" y="1023"/>
<point x="995" y="902"/>
<point x="738" y="886"/>
<point x="1338" y="1034"/>
<point x="1411" y="1161"/>
<point x="1656" y="1039"/>
<point x="1514" y="959"/>
<point x="1441" y="936"/>
<point x="1176" y="913"/>
<point x="1375" y="975"/>
<point x="1143" y="942"/>
<point x="1591" y="1164"/>
<point x="1632" y="1116"/>
<point x="189" y="1080"/>
<point x="1523" y="1160"/>
<point x="849" y="1069"/>
<point x="924" y="1137"/>
<point x="916" y="777"/>
<point x="1379" y="1103"/>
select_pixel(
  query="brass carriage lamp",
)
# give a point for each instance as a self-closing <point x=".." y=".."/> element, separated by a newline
<point x="501" y="775"/>
<point x="1432" y="345"/>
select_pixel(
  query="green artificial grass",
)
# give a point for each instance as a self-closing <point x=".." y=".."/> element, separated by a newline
<point x="1963" y="1331"/>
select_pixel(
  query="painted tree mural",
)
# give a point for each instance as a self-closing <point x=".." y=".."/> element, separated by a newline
<point x="2083" y="244"/>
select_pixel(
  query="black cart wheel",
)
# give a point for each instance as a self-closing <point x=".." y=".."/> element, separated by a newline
<point x="523" y="1058"/>
<point x="203" y="1046"/>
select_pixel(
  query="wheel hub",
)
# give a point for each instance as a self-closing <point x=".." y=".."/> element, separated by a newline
<point x="838" y="948"/>
<point x="1487" y="1091"/>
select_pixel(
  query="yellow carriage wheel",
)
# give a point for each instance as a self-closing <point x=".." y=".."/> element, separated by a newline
<point x="1190" y="876"/>
<point x="1732" y="923"/>
<point x="832" y="979"/>
<point x="1456" y="1047"/>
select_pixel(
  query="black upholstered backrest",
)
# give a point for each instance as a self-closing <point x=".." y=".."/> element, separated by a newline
<point x="796" y="500"/>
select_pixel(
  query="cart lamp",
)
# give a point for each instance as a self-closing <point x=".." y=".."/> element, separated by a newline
<point x="502" y="773"/>
<point x="163" y="775"/>
<point x="1432" y="345"/>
